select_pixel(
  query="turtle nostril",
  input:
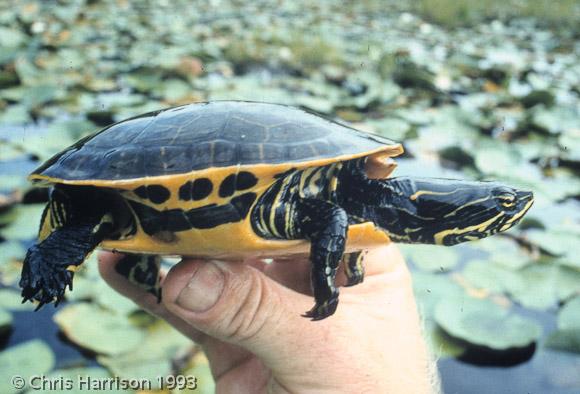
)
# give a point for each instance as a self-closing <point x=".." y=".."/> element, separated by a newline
<point x="525" y="195"/>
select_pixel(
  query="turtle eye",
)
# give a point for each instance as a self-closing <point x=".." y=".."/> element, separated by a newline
<point x="507" y="200"/>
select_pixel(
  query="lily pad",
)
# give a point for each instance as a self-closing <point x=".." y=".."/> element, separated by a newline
<point x="431" y="258"/>
<point x="114" y="334"/>
<point x="565" y="340"/>
<point x="558" y="119"/>
<point x="153" y="358"/>
<point x="11" y="250"/>
<point x="430" y="288"/>
<point x="27" y="359"/>
<point x="393" y="128"/>
<point x="536" y="286"/>
<point x="12" y="300"/>
<point x="5" y="321"/>
<point x="484" y="323"/>
<point x="569" y="316"/>
<point x="558" y="243"/>
<point x="484" y="274"/>
<point x="504" y="252"/>
<point x="201" y="370"/>
<point x="570" y="143"/>
<point x="80" y="378"/>
<point x="568" y="282"/>
<point x="27" y="222"/>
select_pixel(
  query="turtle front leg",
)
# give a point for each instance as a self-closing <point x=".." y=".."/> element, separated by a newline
<point x="325" y="225"/>
<point x="48" y="267"/>
<point x="143" y="271"/>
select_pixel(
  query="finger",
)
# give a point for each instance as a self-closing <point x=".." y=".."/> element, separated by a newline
<point x="293" y="274"/>
<point x="241" y="305"/>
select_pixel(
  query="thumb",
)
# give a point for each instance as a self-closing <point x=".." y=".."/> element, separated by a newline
<point x="238" y="304"/>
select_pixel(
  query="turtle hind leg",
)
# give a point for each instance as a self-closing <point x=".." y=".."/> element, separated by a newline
<point x="142" y="271"/>
<point x="354" y="268"/>
<point x="48" y="267"/>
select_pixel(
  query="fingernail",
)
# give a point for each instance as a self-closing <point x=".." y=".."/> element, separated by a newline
<point x="203" y="290"/>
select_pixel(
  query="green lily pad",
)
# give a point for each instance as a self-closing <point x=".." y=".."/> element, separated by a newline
<point x="27" y="359"/>
<point x="536" y="286"/>
<point x="175" y="90"/>
<point x="89" y="285"/>
<point x="73" y="128"/>
<point x="27" y="222"/>
<point x="97" y="329"/>
<point x="11" y="250"/>
<point x="153" y="358"/>
<point x="45" y="145"/>
<point x="569" y="316"/>
<point x="449" y="129"/>
<point x="393" y="128"/>
<point x="558" y="243"/>
<point x="5" y="321"/>
<point x="10" y="272"/>
<point x="11" y="299"/>
<point x="565" y="340"/>
<point x="558" y="119"/>
<point x="80" y="378"/>
<point x="440" y="344"/>
<point x="431" y="258"/>
<point x="570" y="143"/>
<point x="568" y="282"/>
<point x="318" y="104"/>
<point x="10" y="183"/>
<point x="484" y="323"/>
<point x="504" y="252"/>
<point x="484" y="274"/>
<point x="108" y="298"/>
<point x="494" y="158"/>
<point x="15" y="114"/>
<point x="202" y="372"/>
<point x="430" y="288"/>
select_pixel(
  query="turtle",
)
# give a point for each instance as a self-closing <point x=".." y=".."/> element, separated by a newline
<point x="235" y="179"/>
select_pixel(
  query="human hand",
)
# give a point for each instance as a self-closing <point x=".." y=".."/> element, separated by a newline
<point x="247" y="317"/>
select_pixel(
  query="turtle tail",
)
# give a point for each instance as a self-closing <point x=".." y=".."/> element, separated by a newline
<point x="48" y="267"/>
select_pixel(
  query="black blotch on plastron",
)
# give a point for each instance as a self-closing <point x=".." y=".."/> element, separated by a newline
<point x="243" y="203"/>
<point x="185" y="191"/>
<point x="195" y="190"/>
<point x="156" y="193"/>
<point x="202" y="188"/>
<point x="245" y="180"/>
<point x="228" y="186"/>
<point x="154" y="221"/>
<point x="141" y="191"/>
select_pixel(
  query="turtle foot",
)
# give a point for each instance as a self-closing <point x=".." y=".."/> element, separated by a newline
<point x="322" y="310"/>
<point x="43" y="281"/>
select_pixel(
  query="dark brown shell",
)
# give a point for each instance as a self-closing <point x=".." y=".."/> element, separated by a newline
<point x="206" y="135"/>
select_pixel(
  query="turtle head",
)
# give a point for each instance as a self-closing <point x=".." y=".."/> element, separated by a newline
<point x="448" y="212"/>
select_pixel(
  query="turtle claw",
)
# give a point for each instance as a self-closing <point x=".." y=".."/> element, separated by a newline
<point x="322" y="310"/>
<point x="43" y="282"/>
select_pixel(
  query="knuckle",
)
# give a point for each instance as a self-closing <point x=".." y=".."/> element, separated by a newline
<point x="253" y="312"/>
